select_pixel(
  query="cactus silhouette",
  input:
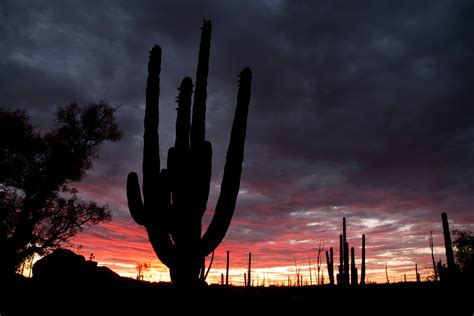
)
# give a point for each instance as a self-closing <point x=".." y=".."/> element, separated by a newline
<point x="362" y="267"/>
<point x="175" y="199"/>
<point x="330" y="264"/>
<point x="448" y="245"/>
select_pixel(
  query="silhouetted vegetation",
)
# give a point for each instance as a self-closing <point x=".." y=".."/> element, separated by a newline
<point x="451" y="273"/>
<point x="344" y="277"/>
<point x="362" y="265"/>
<point x="175" y="198"/>
<point x="142" y="268"/>
<point x="39" y="208"/>
<point x="353" y="268"/>
<point x="460" y="263"/>
<point x="330" y="264"/>
<point x="435" y="270"/>
<point x="464" y="253"/>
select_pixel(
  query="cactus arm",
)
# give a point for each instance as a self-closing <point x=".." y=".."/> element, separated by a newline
<point x="183" y="120"/>
<point x="159" y="224"/>
<point x="198" y="127"/>
<point x="201" y="166"/>
<point x="178" y="158"/>
<point x="209" y="268"/>
<point x="232" y="169"/>
<point x="201" y="150"/>
<point x="134" y="198"/>
<point x="362" y="272"/>
<point x="151" y="212"/>
<point x="151" y="151"/>
<point x="448" y="245"/>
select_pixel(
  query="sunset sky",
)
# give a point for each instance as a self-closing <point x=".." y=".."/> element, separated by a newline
<point x="359" y="109"/>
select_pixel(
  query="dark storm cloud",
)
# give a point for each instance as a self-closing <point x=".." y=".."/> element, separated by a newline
<point x="359" y="108"/>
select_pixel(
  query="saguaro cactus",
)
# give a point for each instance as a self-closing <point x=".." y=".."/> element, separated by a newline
<point x="340" y="275"/>
<point x="362" y="267"/>
<point x="227" y="269"/>
<point x="175" y="199"/>
<point x="353" y="268"/>
<point x="448" y="245"/>
<point x="249" y="271"/>
<point x="330" y="264"/>
<point x="346" y="252"/>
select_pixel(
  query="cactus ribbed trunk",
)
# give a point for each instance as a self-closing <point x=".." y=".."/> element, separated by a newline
<point x="175" y="199"/>
<point x="362" y="267"/>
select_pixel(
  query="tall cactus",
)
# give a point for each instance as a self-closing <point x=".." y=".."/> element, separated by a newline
<point x="353" y="268"/>
<point x="340" y="275"/>
<point x="227" y="268"/>
<point x="362" y="267"/>
<point x="249" y="271"/>
<point x="175" y="199"/>
<point x="448" y="245"/>
<point x="330" y="264"/>
<point x="346" y="252"/>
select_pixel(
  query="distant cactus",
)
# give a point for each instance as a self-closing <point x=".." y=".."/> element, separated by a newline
<point x="448" y="246"/>
<point x="343" y="276"/>
<point x="175" y="199"/>
<point x="418" y="278"/>
<point x="346" y="252"/>
<point x="362" y="267"/>
<point x="340" y="275"/>
<point x="330" y="264"/>
<point x="353" y="268"/>
<point x="431" y="242"/>
<point x="249" y="272"/>
<point x="227" y="268"/>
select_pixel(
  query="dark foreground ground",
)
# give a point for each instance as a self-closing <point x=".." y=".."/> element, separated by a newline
<point x="129" y="297"/>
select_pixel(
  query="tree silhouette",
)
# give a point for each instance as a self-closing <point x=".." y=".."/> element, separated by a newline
<point x="39" y="209"/>
<point x="464" y="252"/>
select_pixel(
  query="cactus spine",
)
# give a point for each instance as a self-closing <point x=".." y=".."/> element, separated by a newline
<point x="175" y="199"/>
